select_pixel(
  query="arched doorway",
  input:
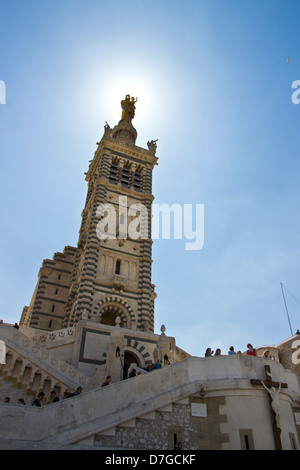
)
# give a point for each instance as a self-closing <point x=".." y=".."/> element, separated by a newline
<point x="110" y="311"/>
<point x="129" y="358"/>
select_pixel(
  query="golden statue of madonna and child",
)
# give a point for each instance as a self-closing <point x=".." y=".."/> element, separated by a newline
<point x="128" y="108"/>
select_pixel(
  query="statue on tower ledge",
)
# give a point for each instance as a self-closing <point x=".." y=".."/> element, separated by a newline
<point x="128" y="108"/>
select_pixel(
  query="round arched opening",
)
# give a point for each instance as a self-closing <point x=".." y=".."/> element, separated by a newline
<point x="129" y="358"/>
<point x="109" y="313"/>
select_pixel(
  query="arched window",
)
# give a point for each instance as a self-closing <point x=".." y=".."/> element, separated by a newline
<point x="118" y="267"/>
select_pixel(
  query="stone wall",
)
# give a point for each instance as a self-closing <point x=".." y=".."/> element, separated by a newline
<point x="171" y="428"/>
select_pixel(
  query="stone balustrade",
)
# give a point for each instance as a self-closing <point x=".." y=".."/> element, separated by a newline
<point x="81" y="418"/>
<point x="34" y="368"/>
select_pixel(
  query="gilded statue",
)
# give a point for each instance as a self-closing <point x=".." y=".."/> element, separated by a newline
<point x="128" y="108"/>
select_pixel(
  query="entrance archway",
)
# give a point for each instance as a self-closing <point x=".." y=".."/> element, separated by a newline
<point x="109" y="314"/>
<point x="107" y="310"/>
<point x="129" y="358"/>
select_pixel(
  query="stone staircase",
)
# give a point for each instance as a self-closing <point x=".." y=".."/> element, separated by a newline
<point x="31" y="367"/>
<point x="81" y="421"/>
<point x="75" y="420"/>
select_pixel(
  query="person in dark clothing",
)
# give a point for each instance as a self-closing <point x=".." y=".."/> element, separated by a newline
<point x="53" y="397"/>
<point x="107" y="381"/>
<point x="38" y="399"/>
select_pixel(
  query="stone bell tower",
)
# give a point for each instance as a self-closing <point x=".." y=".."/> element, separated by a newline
<point x="111" y="276"/>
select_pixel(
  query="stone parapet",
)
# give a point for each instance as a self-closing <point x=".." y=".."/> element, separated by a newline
<point x="24" y="352"/>
<point x="81" y="418"/>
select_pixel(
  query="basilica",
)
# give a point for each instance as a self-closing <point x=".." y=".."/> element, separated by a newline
<point x="87" y="337"/>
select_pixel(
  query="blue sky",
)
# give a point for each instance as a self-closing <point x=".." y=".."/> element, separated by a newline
<point x="214" y="86"/>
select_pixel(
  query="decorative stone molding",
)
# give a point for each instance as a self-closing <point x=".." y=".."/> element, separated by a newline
<point x="30" y="351"/>
<point x="108" y="302"/>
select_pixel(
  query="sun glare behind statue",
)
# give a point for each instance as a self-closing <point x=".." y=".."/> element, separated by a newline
<point x="137" y="89"/>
